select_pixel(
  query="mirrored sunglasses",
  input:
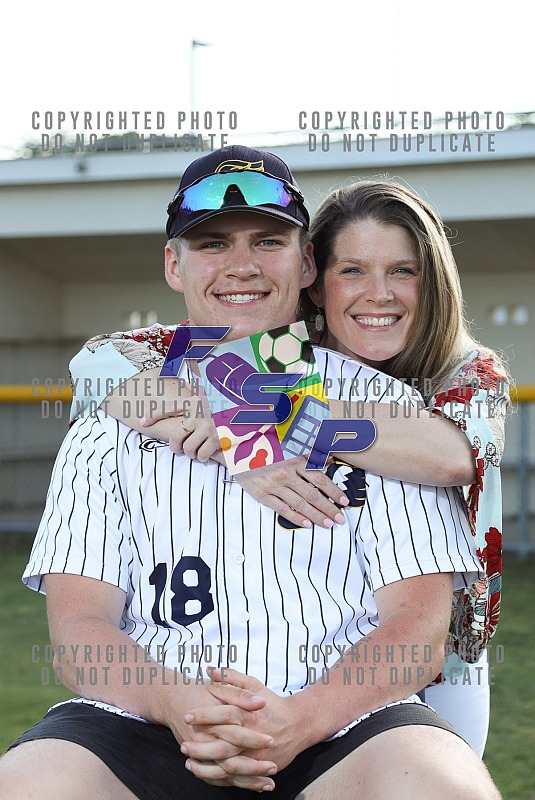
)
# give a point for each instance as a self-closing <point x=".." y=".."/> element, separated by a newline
<point x="216" y="191"/>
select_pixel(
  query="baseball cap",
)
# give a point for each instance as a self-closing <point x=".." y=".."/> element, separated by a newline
<point x="235" y="178"/>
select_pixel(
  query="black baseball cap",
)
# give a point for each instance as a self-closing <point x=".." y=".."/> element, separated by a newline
<point x="263" y="183"/>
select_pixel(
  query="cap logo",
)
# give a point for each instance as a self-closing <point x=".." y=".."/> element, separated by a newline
<point x="236" y="164"/>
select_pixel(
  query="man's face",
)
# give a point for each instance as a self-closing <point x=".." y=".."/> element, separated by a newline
<point x="242" y="269"/>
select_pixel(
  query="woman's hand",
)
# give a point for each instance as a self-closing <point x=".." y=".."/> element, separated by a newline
<point x="195" y="436"/>
<point x="302" y="496"/>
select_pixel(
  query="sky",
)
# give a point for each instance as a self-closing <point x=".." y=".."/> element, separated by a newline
<point x="266" y="61"/>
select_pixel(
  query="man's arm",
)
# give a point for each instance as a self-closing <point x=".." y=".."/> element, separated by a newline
<point x="84" y="615"/>
<point x="414" y="616"/>
<point x="413" y="621"/>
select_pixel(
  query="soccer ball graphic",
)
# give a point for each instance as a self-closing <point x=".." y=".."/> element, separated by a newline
<point x="283" y="351"/>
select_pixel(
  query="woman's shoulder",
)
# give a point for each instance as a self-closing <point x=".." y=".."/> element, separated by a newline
<point x="157" y="336"/>
<point x="481" y="368"/>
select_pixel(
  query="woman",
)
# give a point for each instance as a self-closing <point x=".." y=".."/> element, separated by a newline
<point x="389" y="288"/>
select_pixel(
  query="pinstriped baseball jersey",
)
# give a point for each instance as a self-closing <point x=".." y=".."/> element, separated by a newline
<point x="209" y="577"/>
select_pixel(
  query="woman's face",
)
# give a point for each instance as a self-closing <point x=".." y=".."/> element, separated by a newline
<point x="370" y="291"/>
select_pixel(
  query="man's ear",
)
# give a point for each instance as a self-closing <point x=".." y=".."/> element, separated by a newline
<point x="309" y="271"/>
<point x="172" y="272"/>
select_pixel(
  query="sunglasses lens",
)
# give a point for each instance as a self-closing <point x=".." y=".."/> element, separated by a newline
<point x="216" y="191"/>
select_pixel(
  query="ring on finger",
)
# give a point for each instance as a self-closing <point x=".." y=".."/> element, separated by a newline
<point x="184" y="427"/>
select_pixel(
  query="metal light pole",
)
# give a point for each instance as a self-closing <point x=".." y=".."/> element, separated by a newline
<point x="194" y="43"/>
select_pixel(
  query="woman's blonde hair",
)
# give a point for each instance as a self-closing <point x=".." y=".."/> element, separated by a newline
<point x="440" y="336"/>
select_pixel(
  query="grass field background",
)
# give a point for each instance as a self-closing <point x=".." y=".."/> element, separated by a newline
<point x="27" y="687"/>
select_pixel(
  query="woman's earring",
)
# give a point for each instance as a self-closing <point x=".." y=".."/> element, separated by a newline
<point x="319" y="320"/>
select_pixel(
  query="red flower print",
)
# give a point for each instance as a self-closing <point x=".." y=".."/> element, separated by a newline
<point x="457" y="394"/>
<point x="492" y="553"/>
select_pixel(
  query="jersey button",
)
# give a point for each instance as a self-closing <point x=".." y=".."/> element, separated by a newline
<point x="238" y="558"/>
<point x="244" y="616"/>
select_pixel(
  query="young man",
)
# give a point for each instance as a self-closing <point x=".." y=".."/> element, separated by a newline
<point x="157" y="568"/>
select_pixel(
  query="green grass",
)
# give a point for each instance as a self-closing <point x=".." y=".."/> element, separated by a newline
<point x="510" y="752"/>
<point x="511" y="744"/>
<point x="23" y="696"/>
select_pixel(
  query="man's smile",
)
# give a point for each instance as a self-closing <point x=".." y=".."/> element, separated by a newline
<point x="241" y="297"/>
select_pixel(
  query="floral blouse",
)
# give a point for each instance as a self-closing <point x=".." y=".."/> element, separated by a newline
<point x="475" y="397"/>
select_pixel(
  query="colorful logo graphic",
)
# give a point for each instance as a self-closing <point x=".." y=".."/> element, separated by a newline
<point x="266" y="397"/>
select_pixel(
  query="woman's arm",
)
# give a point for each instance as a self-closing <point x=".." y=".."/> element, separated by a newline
<point x="430" y="448"/>
<point x="420" y="448"/>
<point x="440" y="445"/>
<point x="146" y="397"/>
<point x="111" y="368"/>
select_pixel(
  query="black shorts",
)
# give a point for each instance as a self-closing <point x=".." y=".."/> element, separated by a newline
<point x="147" y="757"/>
